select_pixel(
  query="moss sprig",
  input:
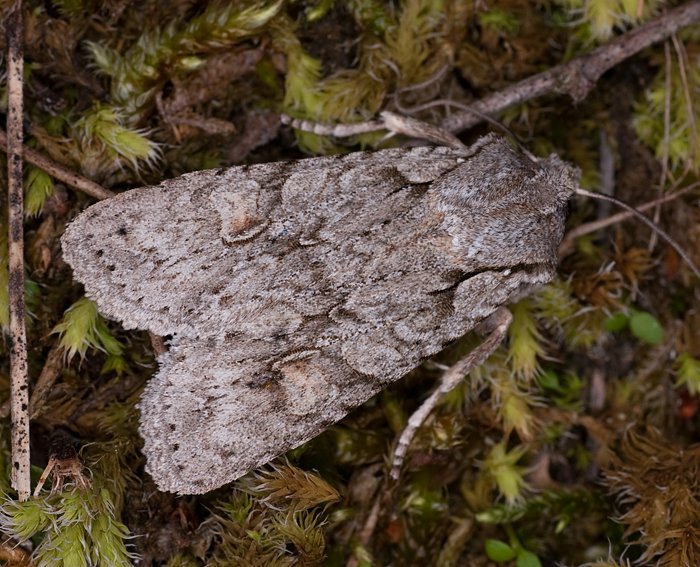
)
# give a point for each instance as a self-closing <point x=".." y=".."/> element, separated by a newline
<point x="277" y="518"/>
<point x="78" y="527"/>
<point x="681" y="145"/>
<point x="657" y="485"/>
<point x="173" y="49"/>
<point x="83" y="328"/>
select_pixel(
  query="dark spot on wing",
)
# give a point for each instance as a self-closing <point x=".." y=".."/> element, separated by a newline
<point x="263" y="379"/>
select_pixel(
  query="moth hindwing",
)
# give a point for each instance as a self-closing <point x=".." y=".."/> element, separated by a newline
<point x="295" y="291"/>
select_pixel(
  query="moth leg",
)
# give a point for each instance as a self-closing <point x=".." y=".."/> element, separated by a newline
<point x="398" y="124"/>
<point x="394" y="123"/>
<point x="496" y="325"/>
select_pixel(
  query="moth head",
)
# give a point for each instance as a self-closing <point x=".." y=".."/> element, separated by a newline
<point x="555" y="182"/>
<point x="497" y="175"/>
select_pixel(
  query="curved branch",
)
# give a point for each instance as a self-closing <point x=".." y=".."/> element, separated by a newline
<point x="577" y="77"/>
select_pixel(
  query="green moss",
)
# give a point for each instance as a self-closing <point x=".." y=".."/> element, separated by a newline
<point x="82" y="328"/>
<point x="100" y="77"/>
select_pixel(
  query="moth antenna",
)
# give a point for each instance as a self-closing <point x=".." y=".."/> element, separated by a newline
<point x="658" y="230"/>
<point x="567" y="244"/>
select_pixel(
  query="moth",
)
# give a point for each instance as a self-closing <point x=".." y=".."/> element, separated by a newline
<point x="295" y="291"/>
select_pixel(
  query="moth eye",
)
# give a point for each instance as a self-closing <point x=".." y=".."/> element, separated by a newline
<point x="121" y="231"/>
<point x="99" y="253"/>
<point x="111" y="267"/>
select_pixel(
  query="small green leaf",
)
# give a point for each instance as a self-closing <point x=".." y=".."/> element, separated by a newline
<point x="499" y="551"/>
<point x="616" y="322"/>
<point x="527" y="559"/>
<point x="646" y="328"/>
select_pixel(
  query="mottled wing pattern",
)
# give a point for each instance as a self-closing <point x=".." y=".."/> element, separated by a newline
<point x="176" y="257"/>
<point x="297" y="290"/>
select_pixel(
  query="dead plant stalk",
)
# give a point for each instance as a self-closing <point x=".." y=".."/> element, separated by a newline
<point x="19" y="379"/>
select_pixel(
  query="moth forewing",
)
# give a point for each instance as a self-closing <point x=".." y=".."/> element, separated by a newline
<point x="295" y="291"/>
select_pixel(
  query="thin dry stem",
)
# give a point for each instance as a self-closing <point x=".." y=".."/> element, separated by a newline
<point x="667" y="135"/>
<point x="60" y="172"/>
<point x="366" y="534"/>
<point x="682" y="61"/>
<point x="19" y="379"/>
<point x="12" y="554"/>
<point x="51" y="370"/>
<point x="577" y="77"/>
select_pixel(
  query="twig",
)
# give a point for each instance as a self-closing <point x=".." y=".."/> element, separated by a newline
<point x="666" y="140"/>
<point x="690" y="111"/>
<point x="51" y="370"/>
<point x="61" y="172"/>
<point x="12" y="554"/>
<point x="577" y="77"/>
<point x="49" y="373"/>
<point x="367" y="532"/>
<point x="19" y="379"/>
<point x="371" y="523"/>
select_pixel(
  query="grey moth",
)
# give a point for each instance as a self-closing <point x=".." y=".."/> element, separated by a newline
<point x="295" y="291"/>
